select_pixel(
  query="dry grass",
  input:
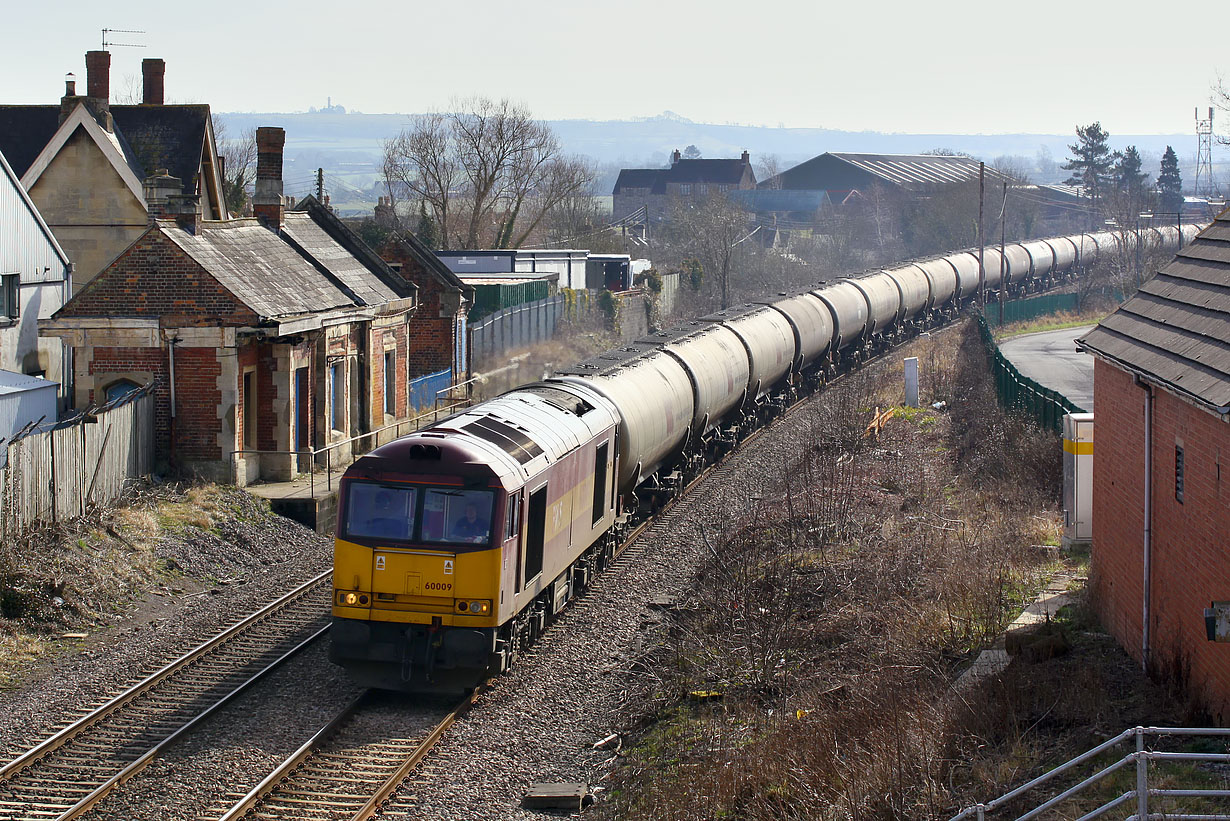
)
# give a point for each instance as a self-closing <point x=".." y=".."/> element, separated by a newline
<point x="834" y="618"/>
<point x="80" y="575"/>
<point x="1052" y="322"/>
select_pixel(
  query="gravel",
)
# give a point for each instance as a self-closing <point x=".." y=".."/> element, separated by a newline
<point x="540" y="722"/>
<point x="259" y="557"/>
<point x="537" y="723"/>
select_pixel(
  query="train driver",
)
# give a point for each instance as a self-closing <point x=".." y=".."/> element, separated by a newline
<point x="470" y="528"/>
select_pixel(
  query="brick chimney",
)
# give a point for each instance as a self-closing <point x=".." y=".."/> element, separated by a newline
<point x="98" y="86"/>
<point x="152" y="71"/>
<point x="747" y="158"/>
<point x="675" y="156"/>
<point x="159" y="187"/>
<point x="267" y="202"/>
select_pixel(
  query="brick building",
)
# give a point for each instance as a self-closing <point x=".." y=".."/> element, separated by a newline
<point x="438" y="355"/>
<point x="1161" y="475"/>
<point x="655" y="188"/>
<point x="84" y="161"/>
<point x="266" y="336"/>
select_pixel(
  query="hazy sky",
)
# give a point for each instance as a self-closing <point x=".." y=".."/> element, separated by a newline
<point x="881" y="65"/>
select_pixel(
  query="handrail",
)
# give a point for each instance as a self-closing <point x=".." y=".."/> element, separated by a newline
<point x="1141" y="757"/>
<point x="449" y="405"/>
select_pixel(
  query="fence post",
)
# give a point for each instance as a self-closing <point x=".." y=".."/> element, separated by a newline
<point x="1142" y="777"/>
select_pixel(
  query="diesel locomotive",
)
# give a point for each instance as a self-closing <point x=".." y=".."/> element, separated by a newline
<point x="457" y="544"/>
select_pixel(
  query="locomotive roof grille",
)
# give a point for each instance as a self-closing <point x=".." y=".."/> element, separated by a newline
<point x="512" y="441"/>
<point x="427" y="453"/>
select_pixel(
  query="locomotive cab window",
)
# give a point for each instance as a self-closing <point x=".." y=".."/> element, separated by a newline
<point x="512" y="516"/>
<point x="457" y="516"/>
<point x="376" y="511"/>
<point x="600" y="458"/>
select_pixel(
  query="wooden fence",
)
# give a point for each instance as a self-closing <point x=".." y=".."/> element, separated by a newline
<point x="58" y="474"/>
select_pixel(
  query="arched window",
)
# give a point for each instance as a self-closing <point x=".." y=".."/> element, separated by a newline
<point x="120" y="388"/>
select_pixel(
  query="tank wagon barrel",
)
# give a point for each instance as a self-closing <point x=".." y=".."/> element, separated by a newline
<point x="458" y="542"/>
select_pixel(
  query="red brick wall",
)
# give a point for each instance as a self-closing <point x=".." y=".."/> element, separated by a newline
<point x="156" y="278"/>
<point x="380" y="338"/>
<point x="431" y="335"/>
<point x="1190" y="563"/>
<point x="196" y="397"/>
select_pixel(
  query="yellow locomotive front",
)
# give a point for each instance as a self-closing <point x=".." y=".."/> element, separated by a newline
<point x="418" y="567"/>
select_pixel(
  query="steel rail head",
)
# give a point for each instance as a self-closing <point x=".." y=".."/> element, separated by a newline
<point x="58" y="739"/>
<point x="89" y="801"/>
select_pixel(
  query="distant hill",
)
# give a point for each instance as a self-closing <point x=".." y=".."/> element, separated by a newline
<point x="348" y="145"/>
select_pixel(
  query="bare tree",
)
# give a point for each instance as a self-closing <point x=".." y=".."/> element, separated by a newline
<point x="488" y="172"/>
<point x="710" y="230"/>
<point x="238" y="166"/>
<point x="768" y="167"/>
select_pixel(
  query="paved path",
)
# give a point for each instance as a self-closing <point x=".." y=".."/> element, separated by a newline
<point x="1050" y="358"/>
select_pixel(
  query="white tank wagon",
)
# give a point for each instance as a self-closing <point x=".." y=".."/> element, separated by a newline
<point x="812" y="325"/>
<point x="769" y="341"/>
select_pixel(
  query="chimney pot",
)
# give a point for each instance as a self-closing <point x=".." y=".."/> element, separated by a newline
<point x="70" y="85"/>
<point x="267" y="201"/>
<point x="746" y="158"/>
<point x="675" y="156"/>
<point x="159" y="189"/>
<point x="152" y="71"/>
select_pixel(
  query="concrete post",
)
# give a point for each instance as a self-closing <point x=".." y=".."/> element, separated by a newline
<point x="911" y="381"/>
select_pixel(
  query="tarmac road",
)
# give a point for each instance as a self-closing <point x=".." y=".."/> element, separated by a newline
<point x="1050" y="358"/>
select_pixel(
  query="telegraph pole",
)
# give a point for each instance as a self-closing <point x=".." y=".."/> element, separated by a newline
<point x="320" y="185"/>
<point x="1003" y="230"/>
<point x="982" y="275"/>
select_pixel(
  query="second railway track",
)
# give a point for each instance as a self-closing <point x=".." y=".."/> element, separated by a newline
<point x="70" y="772"/>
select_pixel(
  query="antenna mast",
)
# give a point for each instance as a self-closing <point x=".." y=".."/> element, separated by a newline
<point x="106" y="44"/>
<point x="1204" y="154"/>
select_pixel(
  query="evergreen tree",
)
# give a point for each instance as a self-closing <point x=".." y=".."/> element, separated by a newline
<point x="1170" y="184"/>
<point x="426" y="230"/>
<point x="1091" y="161"/>
<point x="1128" y="176"/>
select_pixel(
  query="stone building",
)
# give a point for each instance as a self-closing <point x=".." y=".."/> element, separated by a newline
<point x="655" y="188"/>
<point x="85" y="161"/>
<point x="1161" y="467"/>
<point x="266" y="336"/>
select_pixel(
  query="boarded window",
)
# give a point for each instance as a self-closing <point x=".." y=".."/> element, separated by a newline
<point x="390" y="382"/>
<point x="337" y="396"/>
<point x="249" y="410"/>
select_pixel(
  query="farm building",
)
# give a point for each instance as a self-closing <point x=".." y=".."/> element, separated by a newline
<point x="1161" y="472"/>
<point x="654" y="188"/>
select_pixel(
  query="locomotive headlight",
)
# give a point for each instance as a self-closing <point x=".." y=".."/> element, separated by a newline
<point x="350" y="598"/>
<point x="480" y="607"/>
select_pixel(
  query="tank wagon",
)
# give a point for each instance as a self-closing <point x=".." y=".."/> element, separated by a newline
<point x="456" y="544"/>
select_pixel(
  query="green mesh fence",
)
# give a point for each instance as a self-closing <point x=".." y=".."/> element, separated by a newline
<point x="1020" y="310"/>
<point x="1020" y="393"/>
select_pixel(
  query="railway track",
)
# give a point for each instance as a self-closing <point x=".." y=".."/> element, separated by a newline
<point x="352" y="766"/>
<point x="70" y="772"/>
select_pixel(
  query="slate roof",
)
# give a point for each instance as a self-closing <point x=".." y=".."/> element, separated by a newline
<point x="711" y="172"/>
<point x="152" y="136"/>
<point x="343" y="265"/>
<point x="772" y="199"/>
<point x="1176" y="330"/>
<point x="842" y="171"/>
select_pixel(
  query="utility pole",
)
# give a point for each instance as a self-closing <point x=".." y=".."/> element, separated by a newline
<point x="982" y="274"/>
<point x="1003" y="261"/>
<point x="320" y="185"/>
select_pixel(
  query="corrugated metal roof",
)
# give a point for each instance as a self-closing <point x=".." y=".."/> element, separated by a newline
<point x="336" y="260"/>
<point x="1176" y="330"/>
<point x="258" y="267"/>
<point x="915" y="169"/>
<point x="12" y="382"/>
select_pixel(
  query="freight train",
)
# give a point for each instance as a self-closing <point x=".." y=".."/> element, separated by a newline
<point x="457" y="544"/>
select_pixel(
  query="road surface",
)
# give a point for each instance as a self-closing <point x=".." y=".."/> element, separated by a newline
<point x="1050" y="358"/>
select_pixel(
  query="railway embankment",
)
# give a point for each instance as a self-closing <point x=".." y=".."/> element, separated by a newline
<point x="809" y="670"/>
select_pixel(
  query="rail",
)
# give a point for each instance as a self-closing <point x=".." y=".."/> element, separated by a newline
<point x="310" y="456"/>
<point x="1140" y="758"/>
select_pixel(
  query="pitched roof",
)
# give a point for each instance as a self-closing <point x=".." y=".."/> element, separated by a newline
<point x="1176" y="330"/>
<point x="344" y="267"/>
<point x="258" y="267"/>
<point x="151" y="137"/>
<point x="711" y="172"/>
<point x="318" y="231"/>
<point x="835" y="171"/>
<point x="773" y="199"/>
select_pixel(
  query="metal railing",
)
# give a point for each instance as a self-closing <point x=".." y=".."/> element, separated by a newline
<point x="443" y="406"/>
<point x="1019" y="392"/>
<point x="1141" y="794"/>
